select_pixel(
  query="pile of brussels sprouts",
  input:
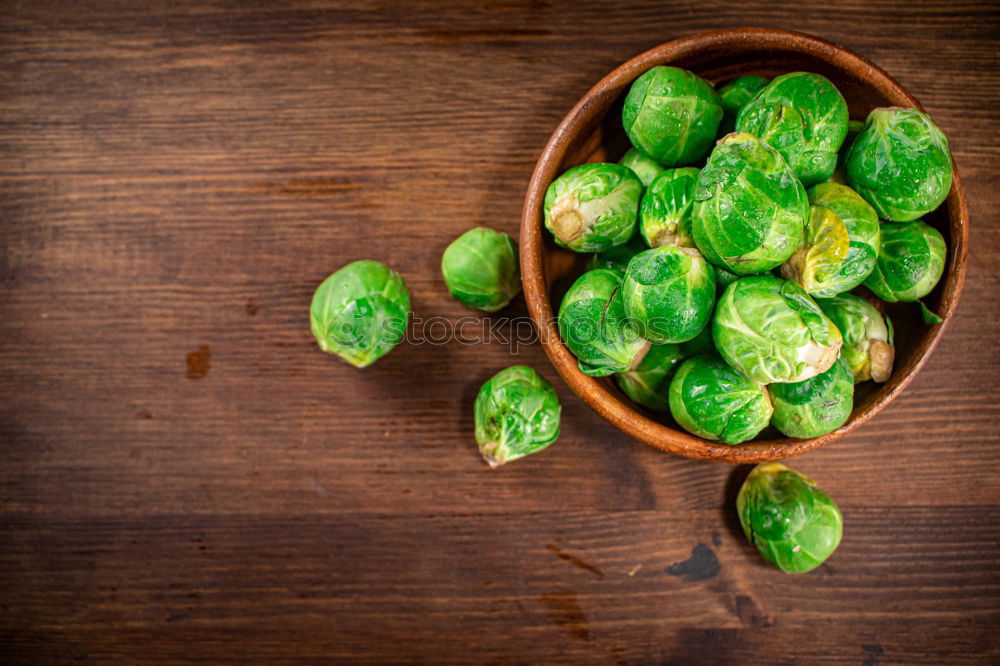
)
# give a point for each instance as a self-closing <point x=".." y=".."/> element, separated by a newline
<point x="727" y="243"/>
<point x="725" y="246"/>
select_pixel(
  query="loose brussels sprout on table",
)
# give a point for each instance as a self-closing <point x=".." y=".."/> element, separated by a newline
<point x="910" y="264"/>
<point x="750" y="210"/>
<point x="516" y="414"/>
<point x="649" y="383"/>
<point x="617" y="258"/>
<point x="734" y="96"/>
<point x="669" y="293"/>
<point x="842" y="242"/>
<point x="772" y="331"/>
<point x="794" y="525"/>
<point x="593" y="325"/>
<point x="900" y="164"/>
<point x="868" y="349"/>
<point x="593" y="207"/>
<point x="359" y="313"/>
<point x="671" y="115"/>
<point x="804" y="117"/>
<point x="815" y="406"/>
<point x="710" y="399"/>
<point x="481" y="269"/>
<point x="644" y="166"/>
<point x="665" y="209"/>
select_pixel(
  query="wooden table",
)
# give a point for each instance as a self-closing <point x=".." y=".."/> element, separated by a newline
<point x="185" y="476"/>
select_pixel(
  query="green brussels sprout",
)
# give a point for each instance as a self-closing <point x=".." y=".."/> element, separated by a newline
<point x="734" y="96"/>
<point x="669" y="293"/>
<point x="815" y="406"/>
<point x="617" y="258"/>
<point x="804" y="117"/>
<point x="593" y="207"/>
<point x="794" y="525"/>
<point x="840" y="173"/>
<point x="359" y="313"/>
<point x="868" y="349"/>
<point x="649" y="382"/>
<point x="710" y="399"/>
<point x="910" y="263"/>
<point x="749" y="209"/>
<point x="724" y="278"/>
<point x="842" y="242"/>
<point x="593" y="325"/>
<point x="671" y="115"/>
<point x="772" y="331"/>
<point x="900" y="164"/>
<point x="699" y="344"/>
<point x="516" y="414"/>
<point x="665" y="209"/>
<point x="480" y="268"/>
<point x="644" y="166"/>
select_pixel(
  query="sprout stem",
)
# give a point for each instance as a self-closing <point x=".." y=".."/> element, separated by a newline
<point x="881" y="354"/>
<point x="568" y="226"/>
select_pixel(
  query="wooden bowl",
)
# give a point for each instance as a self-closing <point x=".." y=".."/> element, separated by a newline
<point x="592" y="132"/>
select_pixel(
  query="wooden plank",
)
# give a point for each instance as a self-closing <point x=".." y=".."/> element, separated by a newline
<point x="569" y="586"/>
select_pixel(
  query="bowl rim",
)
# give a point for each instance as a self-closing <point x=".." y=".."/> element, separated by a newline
<point x="609" y="406"/>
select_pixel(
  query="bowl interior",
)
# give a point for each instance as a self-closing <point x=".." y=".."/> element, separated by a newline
<point x="593" y="132"/>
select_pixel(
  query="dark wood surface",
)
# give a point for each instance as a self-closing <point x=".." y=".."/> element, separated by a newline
<point x="186" y="477"/>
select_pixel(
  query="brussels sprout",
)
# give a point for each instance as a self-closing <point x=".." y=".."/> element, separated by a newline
<point x="734" y="96"/>
<point x="804" y="117"/>
<point x="816" y="265"/>
<point x="649" y="382"/>
<point x="617" y="258"/>
<point x="900" y="164"/>
<point x="644" y="166"/>
<point x="842" y="242"/>
<point x="910" y="263"/>
<point x="840" y="173"/>
<point x="671" y="115"/>
<point x="793" y="524"/>
<point x="749" y="209"/>
<point x="815" y="406"/>
<point x="710" y="399"/>
<point x="724" y="278"/>
<point x="772" y="331"/>
<point x="868" y="349"/>
<point x="699" y="344"/>
<point x="516" y="414"/>
<point x="669" y="293"/>
<point x="593" y="207"/>
<point x="665" y="209"/>
<point x="593" y="325"/>
<point x="359" y="313"/>
<point x="480" y="269"/>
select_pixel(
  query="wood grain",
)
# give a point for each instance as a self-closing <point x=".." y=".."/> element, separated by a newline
<point x="186" y="477"/>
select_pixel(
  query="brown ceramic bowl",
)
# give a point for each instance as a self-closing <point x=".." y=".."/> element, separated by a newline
<point x="592" y="132"/>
